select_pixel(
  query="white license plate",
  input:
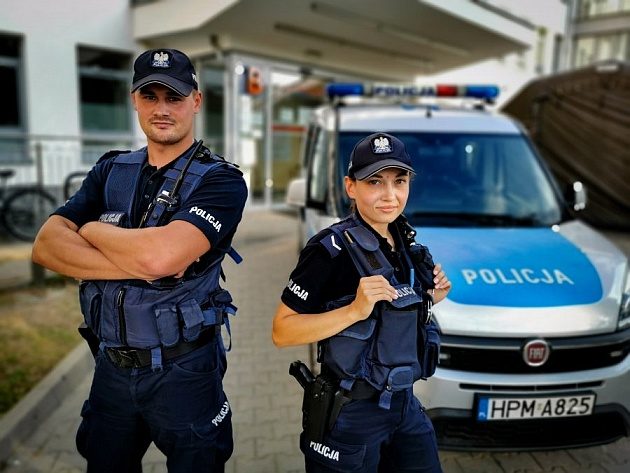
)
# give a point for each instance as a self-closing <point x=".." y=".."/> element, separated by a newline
<point x="510" y="408"/>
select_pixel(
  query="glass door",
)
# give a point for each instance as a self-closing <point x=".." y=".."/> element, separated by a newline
<point x="294" y="98"/>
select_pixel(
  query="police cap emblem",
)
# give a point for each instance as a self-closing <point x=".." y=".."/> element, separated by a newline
<point x="381" y="145"/>
<point x="161" y="59"/>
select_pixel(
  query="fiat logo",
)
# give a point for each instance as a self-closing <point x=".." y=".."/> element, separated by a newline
<point x="536" y="352"/>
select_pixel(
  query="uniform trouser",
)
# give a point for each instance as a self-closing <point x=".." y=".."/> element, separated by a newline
<point x="182" y="409"/>
<point x="369" y="439"/>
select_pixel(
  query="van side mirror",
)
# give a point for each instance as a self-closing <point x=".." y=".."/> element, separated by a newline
<point x="576" y="196"/>
<point x="296" y="192"/>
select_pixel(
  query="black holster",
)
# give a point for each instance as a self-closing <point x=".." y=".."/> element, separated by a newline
<point x="322" y="402"/>
<point x="90" y="337"/>
<point x="317" y="407"/>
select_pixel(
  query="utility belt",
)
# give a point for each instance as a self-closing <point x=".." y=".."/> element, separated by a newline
<point x="361" y="389"/>
<point x="128" y="357"/>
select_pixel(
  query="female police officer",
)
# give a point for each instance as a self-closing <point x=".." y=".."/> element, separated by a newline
<point x="356" y="290"/>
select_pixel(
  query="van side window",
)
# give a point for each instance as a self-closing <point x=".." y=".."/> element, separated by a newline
<point x="318" y="171"/>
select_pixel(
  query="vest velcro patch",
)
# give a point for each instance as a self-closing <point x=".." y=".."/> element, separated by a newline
<point x="406" y="296"/>
<point x="118" y="219"/>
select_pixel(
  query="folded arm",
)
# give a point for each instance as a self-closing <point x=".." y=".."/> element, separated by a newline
<point x="60" y="248"/>
<point x="148" y="253"/>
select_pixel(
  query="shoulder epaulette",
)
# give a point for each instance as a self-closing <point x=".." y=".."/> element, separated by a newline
<point x="206" y="155"/>
<point x="332" y="244"/>
<point x="111" y="154"/>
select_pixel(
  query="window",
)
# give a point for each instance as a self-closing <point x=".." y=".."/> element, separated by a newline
<point x="594" y="8"/>
<point x="12" y="144"/>
<point x="212" y="82"/>
<point x="468" y="179"/>
<point x="104" y="83"/>
<point x="584" y="52"/>
<point x="590" y="49"/>
<point x="104" y="79"/>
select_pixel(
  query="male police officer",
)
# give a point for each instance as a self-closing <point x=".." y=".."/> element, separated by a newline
<point x="147" y="233"/>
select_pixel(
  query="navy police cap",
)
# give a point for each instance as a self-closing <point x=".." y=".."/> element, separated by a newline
<point x="376" y="152"/>
<point x="168" y="67"/>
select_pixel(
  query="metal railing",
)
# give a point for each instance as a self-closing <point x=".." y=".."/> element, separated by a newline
<point x="46" y="160"/>
<point x="52" y="166"/>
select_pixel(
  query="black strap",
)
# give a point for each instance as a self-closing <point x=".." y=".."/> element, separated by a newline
<point x="361" y="389"/>
<point x="167" y="199"/>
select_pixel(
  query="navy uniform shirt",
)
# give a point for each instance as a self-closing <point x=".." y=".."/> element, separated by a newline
<point x="321" y="277"/>
<point x="221" y="193"/>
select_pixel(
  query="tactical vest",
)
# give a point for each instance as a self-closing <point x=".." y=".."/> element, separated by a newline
<point x="393" y="347"/>
<point x="139" y="314"/>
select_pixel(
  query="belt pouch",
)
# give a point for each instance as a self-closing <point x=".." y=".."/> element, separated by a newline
<point x="167" y="325"/>
<point x="192" y="318"/>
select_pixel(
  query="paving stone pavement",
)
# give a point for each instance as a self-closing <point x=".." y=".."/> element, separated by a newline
<point x="265" y="400"/>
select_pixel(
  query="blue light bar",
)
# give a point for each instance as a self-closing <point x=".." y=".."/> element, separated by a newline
<point x="341" y="89"/>
<point x="485" y="92"/>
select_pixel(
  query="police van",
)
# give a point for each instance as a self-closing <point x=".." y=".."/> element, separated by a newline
<point x="536" y="331"/>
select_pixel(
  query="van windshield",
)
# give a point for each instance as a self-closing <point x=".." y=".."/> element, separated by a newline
<point x="471" y="180"/>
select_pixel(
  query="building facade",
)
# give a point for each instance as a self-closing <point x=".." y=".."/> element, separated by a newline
<point x="600" y="30"/>
<point x="262" y="65"/>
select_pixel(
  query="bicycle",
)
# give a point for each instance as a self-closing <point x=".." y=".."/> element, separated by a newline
<point x="23" y="211"/>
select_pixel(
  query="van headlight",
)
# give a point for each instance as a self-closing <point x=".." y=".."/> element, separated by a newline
<point x="624" y="311"/>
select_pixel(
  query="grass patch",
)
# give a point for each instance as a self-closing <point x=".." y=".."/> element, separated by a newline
<point x="38" y="327"/>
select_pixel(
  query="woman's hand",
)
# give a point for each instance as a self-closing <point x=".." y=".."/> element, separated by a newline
<point x="442" y="284"/>
<point x="371" y="290"/>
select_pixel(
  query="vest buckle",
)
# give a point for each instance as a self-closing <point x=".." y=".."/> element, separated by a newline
<point x="165" y="199"/>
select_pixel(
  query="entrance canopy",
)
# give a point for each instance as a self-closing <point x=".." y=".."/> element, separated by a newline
<point x="580" y="121"/>
<point x="393" y="40"/>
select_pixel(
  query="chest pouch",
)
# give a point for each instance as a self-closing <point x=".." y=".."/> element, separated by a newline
<point x="397" y="331"/>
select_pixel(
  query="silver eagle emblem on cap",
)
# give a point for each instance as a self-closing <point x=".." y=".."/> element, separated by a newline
<point x="161" y="59"/>
<point x="381" y="145"/>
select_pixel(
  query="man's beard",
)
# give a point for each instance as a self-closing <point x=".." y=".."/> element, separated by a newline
<point x="170" y="138"/>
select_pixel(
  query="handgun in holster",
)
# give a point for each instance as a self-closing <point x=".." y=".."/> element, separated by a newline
<point x="322" y="402"/>
<point x="90" y="337"/>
